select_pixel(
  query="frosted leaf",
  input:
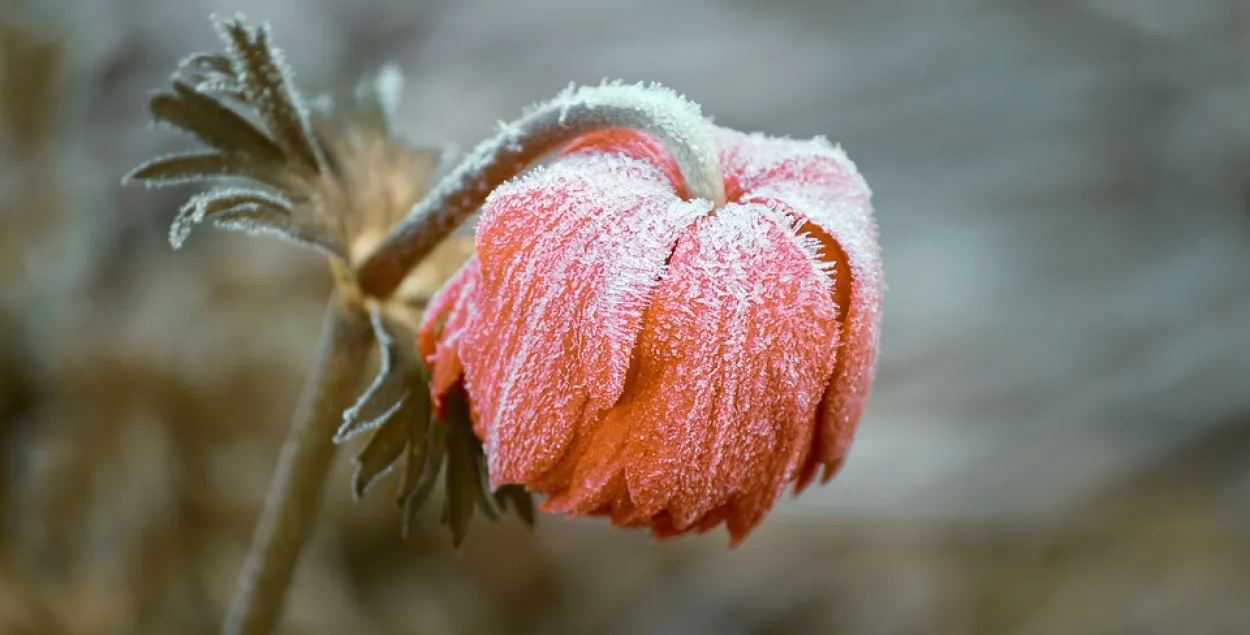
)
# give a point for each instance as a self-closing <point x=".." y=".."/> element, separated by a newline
<point x="415" y="493"/>
<point x="205" y="64"/>
<point x="193" y="167"/>
<point x="215" y="202"/>
<point x="212" y="122"/>
<point x="226" y="87"/>
<point x="267" y="222"/>
<point x="265" y="77"/>
<point x="379" y="455"/>
<point x="395" y="409"/>
<point x="343" y="183"/>
<point x="211" y="73"/>
<point x="392" y="386"/>
<point x="418" y="458"/>
<point x="466" y="477"/>
<point x="251" y="217"/>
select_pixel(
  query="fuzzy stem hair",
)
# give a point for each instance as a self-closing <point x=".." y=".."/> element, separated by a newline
<point x="655" y="110"/>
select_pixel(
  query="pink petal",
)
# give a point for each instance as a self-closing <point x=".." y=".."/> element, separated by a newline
<point x="597" y="484"/>
<point x="734" y="355"/>
<point x="569" y="258"/>
<point x="442" y="328"/>
<point x="816" y="183"/>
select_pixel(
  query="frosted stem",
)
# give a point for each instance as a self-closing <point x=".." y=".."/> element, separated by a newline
<point x="294" y="497"/>
<point x="658" y="111"/>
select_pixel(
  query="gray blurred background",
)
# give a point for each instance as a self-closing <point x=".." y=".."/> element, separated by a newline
<point x="1059" y="437"/>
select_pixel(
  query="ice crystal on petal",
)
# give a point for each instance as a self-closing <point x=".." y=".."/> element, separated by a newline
<point x="816" y="182"/>
<point x="721" y="412"/>
<point x="634" y="352"/>
<point x="566" y="290"/>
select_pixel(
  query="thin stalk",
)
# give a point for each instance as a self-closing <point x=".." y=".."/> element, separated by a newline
<point x="654" y="110"/>
<point x="294" y="497"/>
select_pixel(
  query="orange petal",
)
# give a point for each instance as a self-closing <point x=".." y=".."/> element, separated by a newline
<point x="442" y="328"/>
<point x="599" y="477"/>
<point x="736" y="351"/>
<point x="569" y="258"/>
<point x="634" y="144"/>
<point x="816" y="184"/>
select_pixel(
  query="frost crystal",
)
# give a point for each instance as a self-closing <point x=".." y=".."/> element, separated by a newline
<point x="662" y="361"/>
<point x="543" y="128"/>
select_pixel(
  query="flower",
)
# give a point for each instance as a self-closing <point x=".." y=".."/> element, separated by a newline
<point x="634" y="354"/>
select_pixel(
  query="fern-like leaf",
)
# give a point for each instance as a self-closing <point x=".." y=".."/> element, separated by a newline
<point x="213" y="123"/>
<point x="466" y="478"/>
<point x="418" y="458"/>
<point x="261" y="70"/>
<point x="389" y="389"/>
<point x="418" y="493"/>
<point x="223" y="87"/>
<point x="259" y="220"/>
<point x="197" y="167"/>
<point x="216" y="203"/>
<point x="206" y="63"/>
<point x="396" y="408"/>
<point x="384" y="448"/>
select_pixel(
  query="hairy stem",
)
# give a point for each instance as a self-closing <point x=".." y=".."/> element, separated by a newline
<point x="294" y="497"/>
<point x="654" y="110"/>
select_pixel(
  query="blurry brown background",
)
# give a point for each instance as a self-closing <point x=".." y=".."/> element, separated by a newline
<point x="1059" y="440"/>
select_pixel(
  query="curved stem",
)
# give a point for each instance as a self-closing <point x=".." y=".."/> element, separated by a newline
<point x="655" y="110"/>
<point x="294" y="497"/>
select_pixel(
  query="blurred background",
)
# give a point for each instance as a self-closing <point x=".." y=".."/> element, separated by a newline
<point x="1058" y="441"/>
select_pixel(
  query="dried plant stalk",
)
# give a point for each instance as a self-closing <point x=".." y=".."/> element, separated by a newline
<point x="294" y="496"/>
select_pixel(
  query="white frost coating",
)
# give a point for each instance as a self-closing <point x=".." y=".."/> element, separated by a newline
<point x="273" y="93"/>
<point x="196" y="167"/>
<point x="566" y="292"/>
<point x="818" y="181"/>
<point x="736" y="354"/>
<point x="650" y="108"/>
<point x="662" y="112"/>
<point x="204" y="205"/>
<point x="816" y="178"/>
<point x="362" y="416"/>
<point x="755" y="157"/>
<point x="387" y="87"/>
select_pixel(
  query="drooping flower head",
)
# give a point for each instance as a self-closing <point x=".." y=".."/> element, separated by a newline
<point x="634" y="353"/>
